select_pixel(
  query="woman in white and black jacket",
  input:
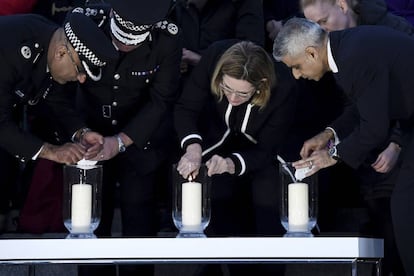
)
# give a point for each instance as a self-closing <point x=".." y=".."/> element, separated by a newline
<point x="233" y="115"/>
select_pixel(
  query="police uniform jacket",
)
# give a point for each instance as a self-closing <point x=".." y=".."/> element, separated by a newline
<point x="23" y="76"/>
<point x="135" y="94"/>
<point x="380" y="87"/>
<point x="248" y="135"/>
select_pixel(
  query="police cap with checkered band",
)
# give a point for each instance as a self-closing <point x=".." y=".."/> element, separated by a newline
<point x="93" y="47"/>
<point x="133" y="19"/>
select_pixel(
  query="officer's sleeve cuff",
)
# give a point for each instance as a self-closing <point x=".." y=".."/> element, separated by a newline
<point x="190" y="139"/>
<point x="336" y="138"/>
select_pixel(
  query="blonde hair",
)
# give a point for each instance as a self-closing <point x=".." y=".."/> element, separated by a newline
<point x="250" y="62"/>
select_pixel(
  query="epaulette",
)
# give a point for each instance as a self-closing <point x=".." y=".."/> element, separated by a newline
<point x="31" y="51"/>
<point x="97" y="12"/>
<point x="167" y="27"/>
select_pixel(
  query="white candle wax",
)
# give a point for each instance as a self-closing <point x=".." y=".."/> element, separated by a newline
<point x="191" y="203"/>
<point x="298" y="207"/>
<point x="81" y="208"/>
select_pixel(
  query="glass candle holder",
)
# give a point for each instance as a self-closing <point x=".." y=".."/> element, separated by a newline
<point x="191" y="210"/>
<point x="299" y="202"/>
<point x="82" y="196"/>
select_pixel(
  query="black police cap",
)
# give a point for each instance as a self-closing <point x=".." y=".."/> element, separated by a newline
<point x="141" y="12"/>
<point x="93" y="47"/>
<point x="133" y="19"/>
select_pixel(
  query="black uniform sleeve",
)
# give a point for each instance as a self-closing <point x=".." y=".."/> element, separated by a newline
<point x="163" y="92"/>
<point x="13" y="139"/>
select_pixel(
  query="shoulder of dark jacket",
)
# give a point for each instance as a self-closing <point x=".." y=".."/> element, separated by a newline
<point x="213" y="53"/>
<point x="166" y="27"/>
<point x="33" y="41"/>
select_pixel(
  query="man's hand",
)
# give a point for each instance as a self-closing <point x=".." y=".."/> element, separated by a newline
<point x="318" y="160"/>
<point x="317" y="142"/>
<point x="219" y="165"/>
<point x="110" y="149"/>
<point x="273" y="27"/>
<point x="387" y="159"/>
<point x="68" y="153"/>
<point x="190" y="162"/>
<point x="190" y="57"/>
<point x="93" y="142"/>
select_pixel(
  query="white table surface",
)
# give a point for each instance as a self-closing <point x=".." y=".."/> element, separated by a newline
<point x="103" y="250"/>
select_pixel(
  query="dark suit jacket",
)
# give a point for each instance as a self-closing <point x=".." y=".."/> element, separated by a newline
<point x="249" y="136"/>
<point x="375" y="71"/>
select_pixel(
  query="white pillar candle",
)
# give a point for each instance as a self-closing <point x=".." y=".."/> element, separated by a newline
<point x="191" y="203"/>
<point x="81" y="208"/>
<point x="298" y="207"/>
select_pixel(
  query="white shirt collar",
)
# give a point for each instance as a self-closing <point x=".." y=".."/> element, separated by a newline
<point x="331" y="61"/>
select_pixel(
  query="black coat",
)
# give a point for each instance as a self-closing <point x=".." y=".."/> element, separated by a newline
<point x="218" y="20"/>
<point x="375" y="12"/>
<point x="249" y="136"/>
<point x="23" y="76"/>
<point x="381" y="86"/>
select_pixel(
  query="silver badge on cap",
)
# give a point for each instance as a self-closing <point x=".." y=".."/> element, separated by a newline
<point x="26" y="52"/>
<point x="172" y="29"/>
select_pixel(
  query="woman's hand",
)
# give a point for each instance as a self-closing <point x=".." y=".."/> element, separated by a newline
<point x="219" y="165"/>
<point x="190" y="162"/>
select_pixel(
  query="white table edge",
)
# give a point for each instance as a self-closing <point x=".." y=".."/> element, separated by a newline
<point x="160" y="250"/>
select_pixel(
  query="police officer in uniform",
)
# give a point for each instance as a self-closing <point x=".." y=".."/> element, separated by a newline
<point x="38" y="56"/>
<point x="131" y="106"/>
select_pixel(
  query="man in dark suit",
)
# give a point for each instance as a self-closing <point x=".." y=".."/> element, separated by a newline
<point x="38" y="56"/>
<point x="377" y="78"/>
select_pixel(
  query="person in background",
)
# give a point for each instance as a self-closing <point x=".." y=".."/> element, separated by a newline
<point x="9" y="7"/>
<point x="381" y="96"/>
<point x="335" y="15"/>
<point x="276" y="12"/>
<point x="403" y="8"/>
<point x="56" y="10"/>
<point x="233" y="115"/>
<point x="203" y="22"/>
